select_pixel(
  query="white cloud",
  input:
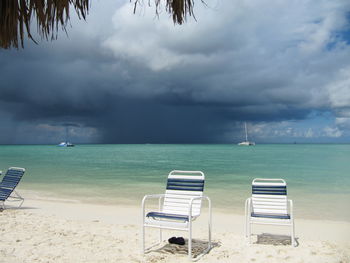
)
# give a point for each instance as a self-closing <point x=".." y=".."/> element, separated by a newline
<point x="275" y="130"/>
<point x="309" y="133"/>
<point x="343" y="121"/>
<point x="339" y="89"/>
<point x="343" y="124"/>
<point x="270" y="61"/>
<point x="294" y="129"/>
<point x="333" y="132"/>
<point x="278" y="48"/>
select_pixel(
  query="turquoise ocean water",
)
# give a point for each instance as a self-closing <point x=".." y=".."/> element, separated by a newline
<point x="318" y="175"/>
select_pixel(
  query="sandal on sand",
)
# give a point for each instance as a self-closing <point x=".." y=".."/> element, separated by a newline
<point x="177" y="240"/>
<point x="180" y="241"/>
<point x="172" y="240"/>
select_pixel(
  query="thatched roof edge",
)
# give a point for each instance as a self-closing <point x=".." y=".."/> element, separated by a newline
<point x="51" y="15"/>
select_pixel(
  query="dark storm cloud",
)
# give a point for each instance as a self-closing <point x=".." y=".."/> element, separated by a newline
<point x="140" y="80"/>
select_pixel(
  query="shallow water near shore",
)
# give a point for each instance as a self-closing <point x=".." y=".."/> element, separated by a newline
<point x="317" y="174"/>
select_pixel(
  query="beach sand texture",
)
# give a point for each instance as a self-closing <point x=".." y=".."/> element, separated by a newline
<point x="69" y="231"/>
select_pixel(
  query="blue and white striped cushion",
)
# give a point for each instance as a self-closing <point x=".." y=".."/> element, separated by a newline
<point x="185" y="184"/>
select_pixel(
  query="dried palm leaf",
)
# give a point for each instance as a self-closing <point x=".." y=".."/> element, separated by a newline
<point x="50" y="15"/>
<point x="179" y="9"/>
<point x="16" y="16"/>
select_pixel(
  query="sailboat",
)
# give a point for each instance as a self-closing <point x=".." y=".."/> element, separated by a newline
<point x="66" y="143"/>
<point x="246" y="142"/>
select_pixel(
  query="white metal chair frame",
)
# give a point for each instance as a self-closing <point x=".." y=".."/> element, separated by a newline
<point x="249" y="208"/>
<point x="17" y="196"/>
<point x="12" y="198"/>
<point x="182" y="226"/>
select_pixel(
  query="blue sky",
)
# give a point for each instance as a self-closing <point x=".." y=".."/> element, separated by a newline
<point x="281" y="66"/>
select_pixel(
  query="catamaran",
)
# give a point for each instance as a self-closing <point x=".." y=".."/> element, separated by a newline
<point x="246" y="142"/>
<point x="66" y="143"/>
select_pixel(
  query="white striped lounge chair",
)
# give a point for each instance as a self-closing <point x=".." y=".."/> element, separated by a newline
<point x="8" y="185"/>
<point x="178" y="207"/>
<point x="269" y="205"/>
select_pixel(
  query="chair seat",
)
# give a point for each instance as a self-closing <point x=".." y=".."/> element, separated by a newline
<point x="5" y="193"/>
<point x="160" y="215"/>
<point x="275" y="216"/>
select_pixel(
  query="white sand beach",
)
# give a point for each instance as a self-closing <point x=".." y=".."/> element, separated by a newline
<point x="48" y="230"/>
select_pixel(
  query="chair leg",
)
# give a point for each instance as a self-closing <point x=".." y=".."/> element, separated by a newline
<point x="209" y="233"/>
<point x="249" y="232"/>
<point x="190" y="242"/>
<point x="19" y="197"/>
<point x="246" y="218"/>
<point x="143" y="239"/>
<point x="293" y="234"/>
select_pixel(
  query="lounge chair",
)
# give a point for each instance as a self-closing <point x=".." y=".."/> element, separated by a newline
<point x="269" y="205"/>
<point x="8" y="185"/>
<point x="181" y="205"/>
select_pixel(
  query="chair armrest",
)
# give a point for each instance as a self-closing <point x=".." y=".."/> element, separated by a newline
<point x="291" y="208"/>
<point x="199" y="197"/>
<point x="247" y="207"/>
<point x="196" y="198"/>
<point x="153" y="196"/>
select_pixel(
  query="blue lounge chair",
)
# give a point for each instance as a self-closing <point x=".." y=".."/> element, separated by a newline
<point x="269" y="205"/>
<point x="181" y="206"/>
<point x="8" y="185"/>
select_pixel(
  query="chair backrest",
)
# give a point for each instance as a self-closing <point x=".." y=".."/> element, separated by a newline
<point x="181" y="187"/>
<point x="269" y="196"/>
<point x="10" y="181"/>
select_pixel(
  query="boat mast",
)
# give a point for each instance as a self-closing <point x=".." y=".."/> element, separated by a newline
<point x="246" y="134"/>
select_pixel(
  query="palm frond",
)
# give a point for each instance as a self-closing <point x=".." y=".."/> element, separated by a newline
<point x="178" y="9"/>
<point x="51" y="15"/>
<point x="16" y="17"/>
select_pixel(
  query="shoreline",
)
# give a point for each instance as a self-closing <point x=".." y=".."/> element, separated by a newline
<point x="71" y="231"/>
<point x="46" y="195"/>
<point x="131" y="214"/>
